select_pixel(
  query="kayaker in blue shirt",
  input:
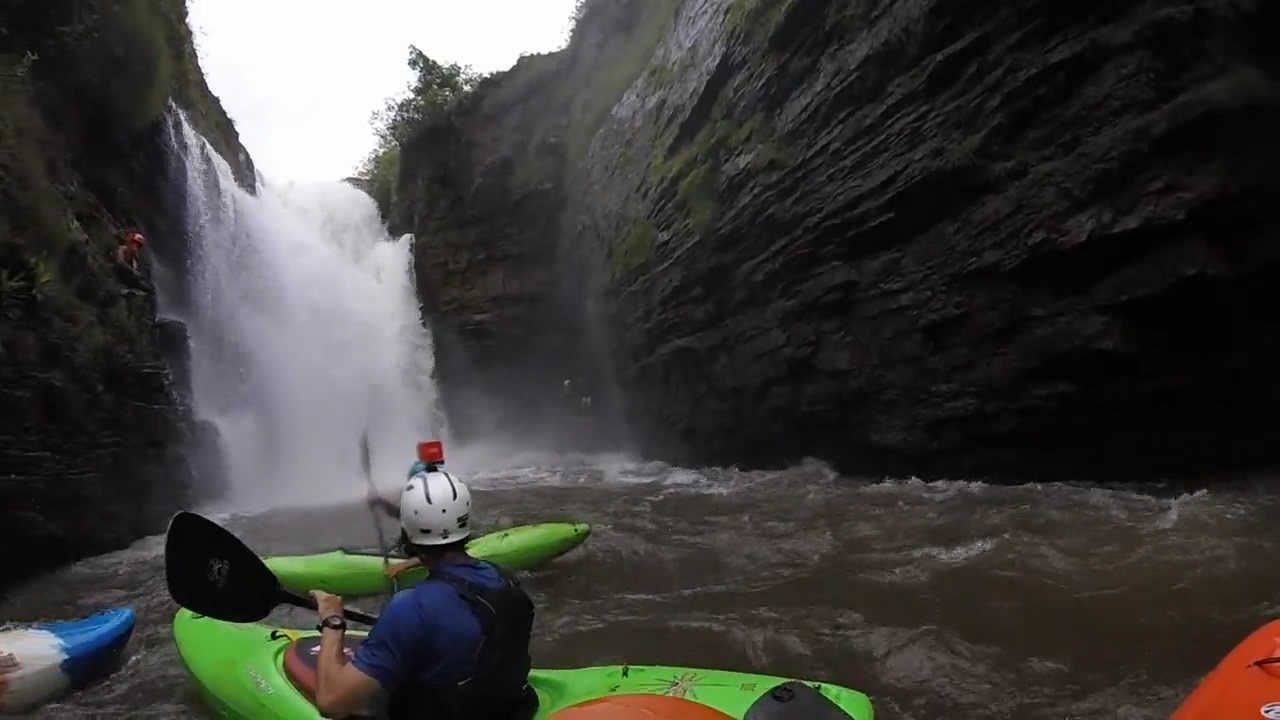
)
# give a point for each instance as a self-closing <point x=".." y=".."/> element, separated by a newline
<point x="454" y="647"/>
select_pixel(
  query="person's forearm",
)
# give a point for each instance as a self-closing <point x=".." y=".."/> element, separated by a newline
<point x="329" y="661"/>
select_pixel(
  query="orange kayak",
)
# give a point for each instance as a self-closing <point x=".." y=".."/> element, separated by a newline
<point x="1244" y="686"/>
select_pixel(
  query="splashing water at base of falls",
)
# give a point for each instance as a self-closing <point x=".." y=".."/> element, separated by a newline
<point x="304" y="332"/>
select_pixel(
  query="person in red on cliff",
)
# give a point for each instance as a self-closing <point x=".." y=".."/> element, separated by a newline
<point x="127" y="252"/>
<point x="127" y="261"/>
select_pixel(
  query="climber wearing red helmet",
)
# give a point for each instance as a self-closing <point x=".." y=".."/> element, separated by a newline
<point x="127" y="252"/>
<point x="127" y="263"/>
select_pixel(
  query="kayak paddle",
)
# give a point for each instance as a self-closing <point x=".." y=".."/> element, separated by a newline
<point x="211" y="572"/>
<point x="366" y="464"/>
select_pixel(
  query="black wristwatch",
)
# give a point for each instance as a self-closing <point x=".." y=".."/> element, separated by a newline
<point x="332" y="622"/>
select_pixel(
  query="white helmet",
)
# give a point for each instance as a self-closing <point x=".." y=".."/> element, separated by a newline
<point x="435" y="509"/>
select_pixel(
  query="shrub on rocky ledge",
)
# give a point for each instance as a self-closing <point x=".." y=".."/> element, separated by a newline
<point x="435" y="87"/>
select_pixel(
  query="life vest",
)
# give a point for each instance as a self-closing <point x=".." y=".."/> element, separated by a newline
<point x="498" y="688"/>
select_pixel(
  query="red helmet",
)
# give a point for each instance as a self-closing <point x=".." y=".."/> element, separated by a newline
<point x="134" y="237"/>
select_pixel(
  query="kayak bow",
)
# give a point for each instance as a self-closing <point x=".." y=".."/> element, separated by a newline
<point x="42" y="661"/>
<point x="1245" y="685"/>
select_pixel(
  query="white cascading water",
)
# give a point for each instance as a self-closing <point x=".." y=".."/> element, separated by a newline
<point x="304" y="332"/>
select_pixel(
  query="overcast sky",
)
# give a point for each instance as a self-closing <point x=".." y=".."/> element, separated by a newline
<point x="300" y="77"/>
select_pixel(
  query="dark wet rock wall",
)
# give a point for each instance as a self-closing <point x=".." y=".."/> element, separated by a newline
<point x="97" y="432"/>
<point x="1024" y="240"/>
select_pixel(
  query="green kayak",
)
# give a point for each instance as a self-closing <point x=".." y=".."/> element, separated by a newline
<point x="355" y="574"/>
<point x="253" y="671"/>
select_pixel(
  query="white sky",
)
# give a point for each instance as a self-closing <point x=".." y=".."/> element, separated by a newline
<point x="300" y="77"/>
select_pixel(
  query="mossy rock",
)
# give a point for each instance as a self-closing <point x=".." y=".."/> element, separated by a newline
<point x="635" y="250"/>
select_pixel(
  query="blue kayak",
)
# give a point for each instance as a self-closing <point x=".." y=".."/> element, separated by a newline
<point x="41" y="661"/>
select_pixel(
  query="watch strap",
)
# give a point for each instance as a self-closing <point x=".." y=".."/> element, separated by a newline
<point x="332" y="622"/>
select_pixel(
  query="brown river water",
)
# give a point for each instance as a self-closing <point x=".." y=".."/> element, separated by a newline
<point x="940" y="600"/>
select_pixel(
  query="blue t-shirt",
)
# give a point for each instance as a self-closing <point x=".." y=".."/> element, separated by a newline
<point x="427" y="632"/>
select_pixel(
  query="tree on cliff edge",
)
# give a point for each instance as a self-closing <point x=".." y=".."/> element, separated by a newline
<point x="435" y="87"/>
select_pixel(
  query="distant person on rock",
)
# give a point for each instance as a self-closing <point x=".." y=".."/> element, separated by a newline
<point x="127" y="251"/>
<point x="456" y="646"/>
<point x="131" y="275"/>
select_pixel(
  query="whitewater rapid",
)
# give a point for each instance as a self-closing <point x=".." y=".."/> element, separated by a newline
<point x="305" y="331"/>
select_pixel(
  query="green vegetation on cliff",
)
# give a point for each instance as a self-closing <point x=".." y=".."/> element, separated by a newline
<point x="117" y="63"/>
<point x="695" y="167"/>
<point x="55" y="245"/>
<point x="635" y="250"/>
<point x="582" y="83"/>
<point x="611" y="43"/>
<point x="757" y="18"/>
<point x="94" y="425"/>
<point x="77" y="81"/>
<point x="435" y="88"/>
<point x="631" y="30"/>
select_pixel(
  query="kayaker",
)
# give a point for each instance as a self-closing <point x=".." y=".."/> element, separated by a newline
<point x="430" y="459"/>
<point x="454" y="647"/>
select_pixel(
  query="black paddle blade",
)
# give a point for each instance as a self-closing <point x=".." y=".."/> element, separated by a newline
<point x="211" y="572"/>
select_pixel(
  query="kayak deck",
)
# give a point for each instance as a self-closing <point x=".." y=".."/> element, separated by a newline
<point x="688" y="693"/>
<point x="42" y="661"/>
<point x="276" y="671"/>
<point x="355" y="574"/>
<point x="1245" y="685"/>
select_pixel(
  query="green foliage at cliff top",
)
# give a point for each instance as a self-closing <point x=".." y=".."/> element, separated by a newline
<point x="113" y="64"/>
<point x="434" y="88"/>
<point x="626" y="32"/>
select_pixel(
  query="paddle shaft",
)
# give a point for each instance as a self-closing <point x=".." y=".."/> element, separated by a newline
<point x="309" y="603"/>
<point x="367" y="465"/>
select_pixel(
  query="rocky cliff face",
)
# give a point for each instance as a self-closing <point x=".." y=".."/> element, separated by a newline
<point x="1030" y="239"/>
<point x="486" y="190"/>
<point x="95" y="437"/>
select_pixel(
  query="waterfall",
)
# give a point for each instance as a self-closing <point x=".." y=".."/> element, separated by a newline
<point x="304" y="330"/>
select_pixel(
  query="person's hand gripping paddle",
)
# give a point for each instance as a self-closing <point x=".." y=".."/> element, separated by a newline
<point x="209" y="571"/>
